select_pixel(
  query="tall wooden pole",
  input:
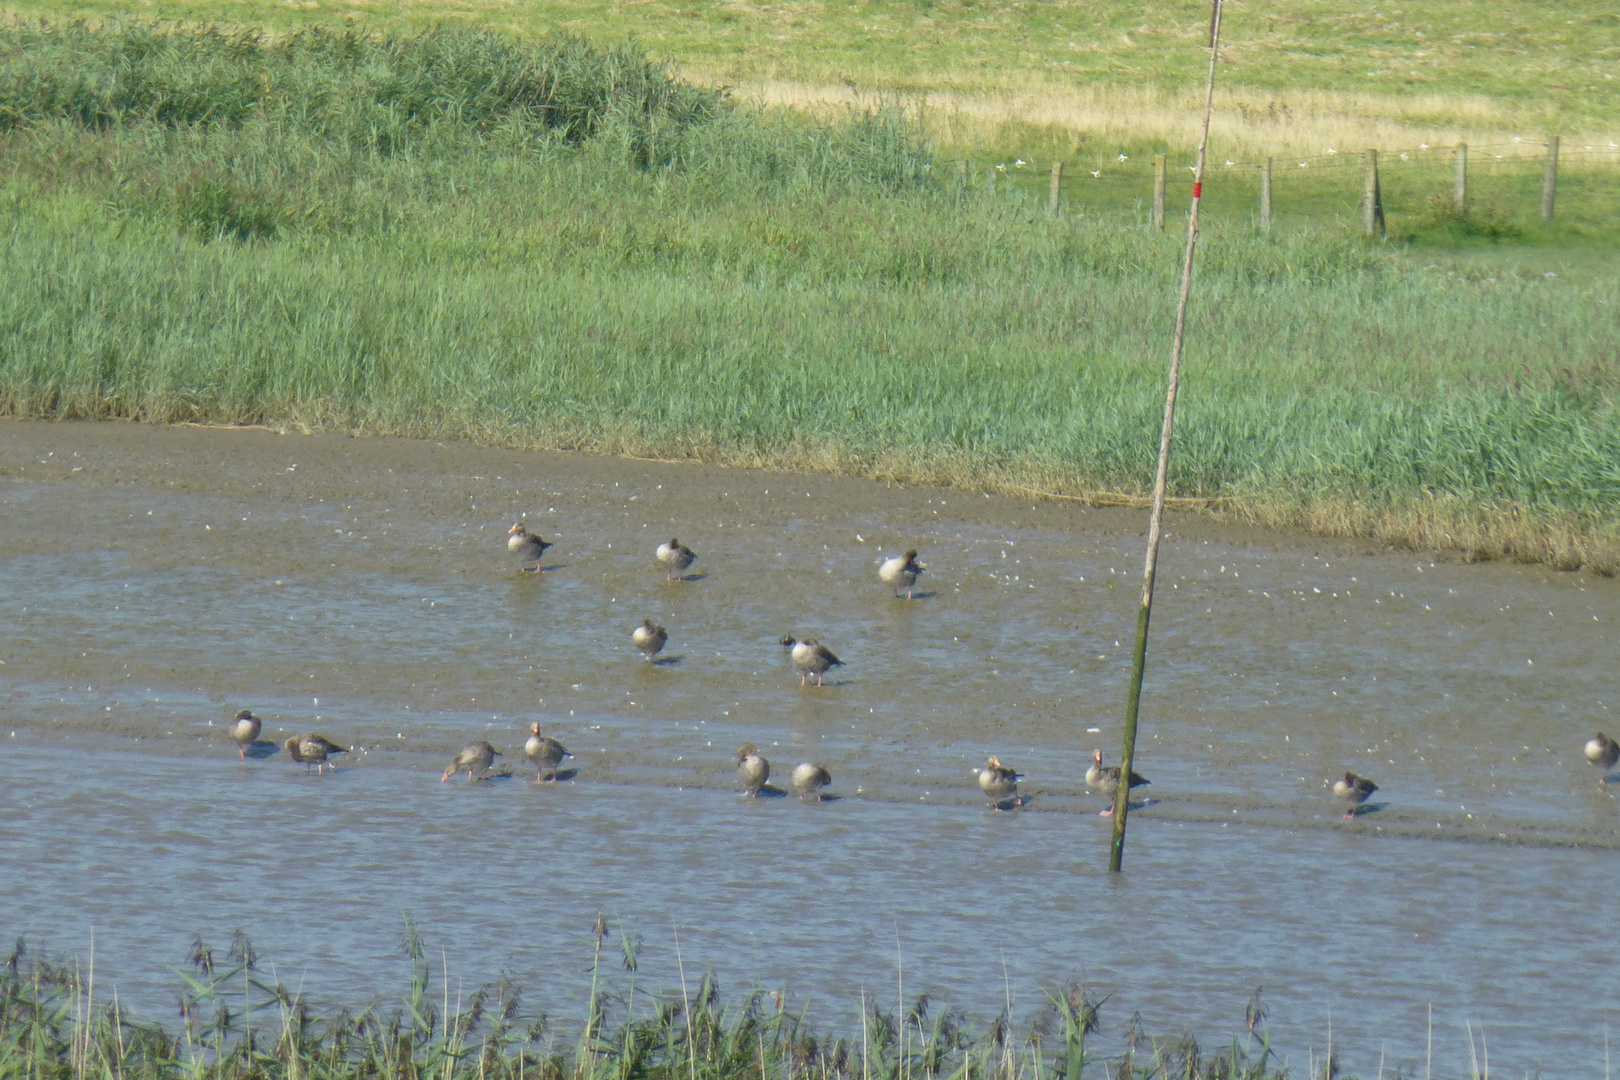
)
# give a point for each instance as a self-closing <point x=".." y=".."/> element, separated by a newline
<point x="1133" y="700"/>
<point x="1057" y="187"/>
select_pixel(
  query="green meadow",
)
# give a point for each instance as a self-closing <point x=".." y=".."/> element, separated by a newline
<point x="1556" y="62"/>
<point x="1009" y="77"/>
<point x="539" y="241"/>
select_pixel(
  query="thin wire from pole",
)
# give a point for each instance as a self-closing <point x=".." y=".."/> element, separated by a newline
<point x="1133" y="701"/>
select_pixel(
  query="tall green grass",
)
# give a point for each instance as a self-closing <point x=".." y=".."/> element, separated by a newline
<point x="406" y="235"/>
<point x="237" y="1025"/>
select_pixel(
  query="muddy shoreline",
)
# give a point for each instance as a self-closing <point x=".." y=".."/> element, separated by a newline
<point x="447" y="478"/>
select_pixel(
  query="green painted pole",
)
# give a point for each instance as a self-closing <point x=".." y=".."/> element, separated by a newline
<point x="1133" y="700"/>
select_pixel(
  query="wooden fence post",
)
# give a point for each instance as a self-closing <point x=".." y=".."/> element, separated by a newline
<point x="1459" y="187"/>
<point x="962" y="173"/>
<point x="1057" y="186"/>
<point x="1549" y="179"/>
<point x="1158" y="191"/>
<point x="1372" y="202"/>
<point x="1265" y="195"/>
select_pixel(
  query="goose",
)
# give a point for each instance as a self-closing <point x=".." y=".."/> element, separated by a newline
<point x="752" y="768"/>
<point x="1603" y="752"/>
<point x="475" y="756"/>
<point x="809" y="779"/>
<point x="545" y="752"/>
<point x="649" y="638"/>
<point x="998" y="782"/>
<point x="1106" y="780"/>
<point x="245" y="729"/>
<point x="813" y="658"/>
<point x="1355" y="790"/>
<point x="307" y="750"/>
<point x="528" y="547"/>
<point x="677" y="556"/>
<point x="901" y="572"/>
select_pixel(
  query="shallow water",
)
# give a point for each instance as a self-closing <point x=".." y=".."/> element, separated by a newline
<point x="157" y="580"/>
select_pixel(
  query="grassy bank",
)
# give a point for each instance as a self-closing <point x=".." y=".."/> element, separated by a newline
<point x="551" y="245"/>
<point x="1372" y="75"/>
<point x="236" y="1024"/>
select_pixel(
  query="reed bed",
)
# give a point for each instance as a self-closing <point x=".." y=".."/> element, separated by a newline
<point x="236" y="1024"/>
<point x="551" y="245"/>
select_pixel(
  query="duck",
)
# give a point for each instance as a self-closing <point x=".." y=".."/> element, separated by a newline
<point x="649" y="638"/>
<point x="1355" y="790"/>
<point x="545" y="752"/>
<point x="1603" y="752"/>
<point x="528" y="547"/>
<point x="809" y="779"/>
<point x="1106" y="780"/>
<point x="677" y="556"/>
<point x="901" y="572"/>
<point x="813" y="658"/>
<point x="245" y="728"/>
<point x="998" y="782"/>
<point x="475" y="756"/>
<point x="752" y="768"/>
<point x="313" y="749"/>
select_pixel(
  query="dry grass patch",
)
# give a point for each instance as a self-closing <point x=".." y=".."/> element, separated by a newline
<point x="1059" y="118"/>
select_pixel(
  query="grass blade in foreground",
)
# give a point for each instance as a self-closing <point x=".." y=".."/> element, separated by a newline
<point x="1133" y="701"/>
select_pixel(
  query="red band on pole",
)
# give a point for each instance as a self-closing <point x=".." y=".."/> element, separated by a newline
<point x="1198" y="189"/>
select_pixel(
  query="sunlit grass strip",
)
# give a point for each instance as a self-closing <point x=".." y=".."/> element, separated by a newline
<point x="1043" y="114"/>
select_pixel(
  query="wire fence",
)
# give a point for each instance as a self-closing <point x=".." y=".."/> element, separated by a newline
<point x="1490" y="188"/>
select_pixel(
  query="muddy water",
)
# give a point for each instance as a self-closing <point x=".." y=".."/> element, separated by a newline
<point x="154" y="581"/>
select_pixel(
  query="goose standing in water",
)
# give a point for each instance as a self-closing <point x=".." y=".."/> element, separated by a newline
<point x="901" y="572"/>
<point x="999" y="782"/>
<point x="752" y="769"/>
<point x="811" y="657"/>
<point x="648" y="638"/>
<point x="1106" y="780"/>
<point x="245" y="728"/>
<point x="545" y="752"/>
<point x="1603" y="752"/>
<point x="677" y="557"/>
<point x="307" y="750"/>
<point x="474" y="757"/>
<point x="528" y="547"/>
<point x="1354" y="790"/>
<point x="809" y="779"/>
